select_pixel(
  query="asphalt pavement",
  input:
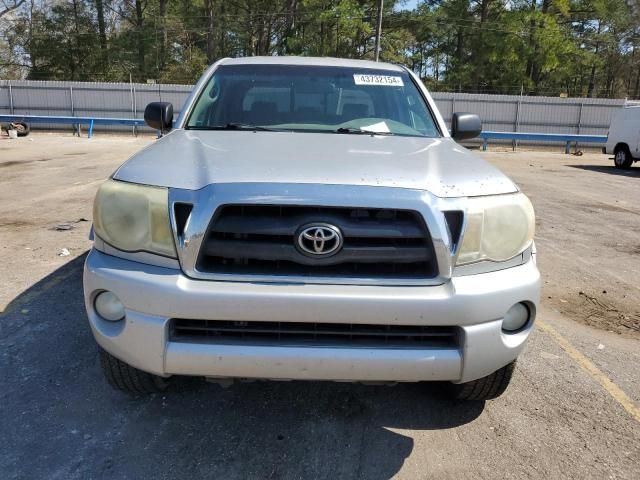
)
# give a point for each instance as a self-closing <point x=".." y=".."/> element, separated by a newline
<point x="572" y="410"/>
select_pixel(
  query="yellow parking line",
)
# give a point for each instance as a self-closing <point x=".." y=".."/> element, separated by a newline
<point x="615" y="391"/>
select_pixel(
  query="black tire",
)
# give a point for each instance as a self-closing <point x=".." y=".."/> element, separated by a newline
<point x="126" y="378"/>
<point x="22" y="128"/>
<point x="486" y="388"/>
<point x="622" y="157"/>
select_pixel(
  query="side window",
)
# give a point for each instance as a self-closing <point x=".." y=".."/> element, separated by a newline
<point x="420" y="116"/>
<point x="203" y="110"/>
<point x="417" y="122"/>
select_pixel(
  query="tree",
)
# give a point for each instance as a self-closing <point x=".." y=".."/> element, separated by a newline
<point x="8" y="6"/>
<point x="540" y="47"/>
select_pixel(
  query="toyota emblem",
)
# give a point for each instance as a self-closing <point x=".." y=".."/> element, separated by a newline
<point x="319" y="239"/>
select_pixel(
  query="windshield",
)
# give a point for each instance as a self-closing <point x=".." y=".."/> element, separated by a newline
<point x="312" y="98"/>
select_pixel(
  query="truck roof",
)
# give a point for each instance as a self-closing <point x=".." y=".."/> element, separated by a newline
<point x="313" y="61"/>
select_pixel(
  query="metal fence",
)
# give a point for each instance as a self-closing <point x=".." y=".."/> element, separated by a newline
<point x="504" y="113"/>
<point x="513" y="113"/>
<point x="85" y="99"/>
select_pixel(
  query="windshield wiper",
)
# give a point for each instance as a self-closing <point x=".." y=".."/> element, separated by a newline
<point x="359" y="131"/>
<point x="247" y="126"/>
<point x="233" y="126"/>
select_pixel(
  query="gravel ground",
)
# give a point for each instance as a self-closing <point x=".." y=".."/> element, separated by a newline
<point x="60" y="420"/>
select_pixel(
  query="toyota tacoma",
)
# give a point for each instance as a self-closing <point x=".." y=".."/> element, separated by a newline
<point x="311" y="219"/>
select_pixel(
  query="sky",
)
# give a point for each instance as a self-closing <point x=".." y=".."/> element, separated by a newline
<point x="408" y="5"/>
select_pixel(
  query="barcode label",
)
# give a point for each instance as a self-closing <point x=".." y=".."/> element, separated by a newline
<point x="384" y="80"/>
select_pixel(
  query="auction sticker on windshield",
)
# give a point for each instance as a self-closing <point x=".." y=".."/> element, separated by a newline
<point x="386" y="80"/>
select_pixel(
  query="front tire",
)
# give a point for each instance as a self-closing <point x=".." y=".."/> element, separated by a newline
<point x="126" y="378"/>
<point x="486" y="388"/>
<point x="622" y="158"/>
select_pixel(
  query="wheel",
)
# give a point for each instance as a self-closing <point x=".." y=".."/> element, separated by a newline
<point x="485" y="388"/>
<point x="622" y="158"/>
<point x="122" y="376"/>
<point x="22" y="128"/>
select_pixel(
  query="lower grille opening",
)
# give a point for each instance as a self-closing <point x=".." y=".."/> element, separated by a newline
<point x="312" y="334"/>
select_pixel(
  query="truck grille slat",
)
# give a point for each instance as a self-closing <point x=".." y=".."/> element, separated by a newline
<point x="221" y="331"/>
<point x="256" y="225"/>
<point x="261" y="240"/>
<point x="283" y="251"/>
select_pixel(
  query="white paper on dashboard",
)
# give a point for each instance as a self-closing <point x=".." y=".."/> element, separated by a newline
<point x="380" y="127"/>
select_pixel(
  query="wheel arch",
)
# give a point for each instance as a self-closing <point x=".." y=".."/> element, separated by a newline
<point x="621" y="145"/>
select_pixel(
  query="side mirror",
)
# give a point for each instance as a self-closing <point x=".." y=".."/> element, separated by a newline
<point x="159" y="115"/>
<point x="465" y="125"/>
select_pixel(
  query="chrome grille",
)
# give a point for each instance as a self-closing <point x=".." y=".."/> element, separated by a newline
<point x="261" y="239"/>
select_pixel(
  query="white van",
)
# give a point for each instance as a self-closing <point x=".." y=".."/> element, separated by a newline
<point x="623" y="139"/>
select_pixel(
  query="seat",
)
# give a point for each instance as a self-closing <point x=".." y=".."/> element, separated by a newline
<point x="308" y="115"/>
<point x="354" y="110"/>
<point x="261" y="113"/>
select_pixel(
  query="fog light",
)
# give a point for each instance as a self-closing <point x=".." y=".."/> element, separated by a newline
<point x="109" y="306"/>
<point x="516" y="317"/>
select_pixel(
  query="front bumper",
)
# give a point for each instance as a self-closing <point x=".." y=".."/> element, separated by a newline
<point x="154" y="295"/>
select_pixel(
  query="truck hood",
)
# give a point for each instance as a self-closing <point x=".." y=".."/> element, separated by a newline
<point x="190" y="159"/>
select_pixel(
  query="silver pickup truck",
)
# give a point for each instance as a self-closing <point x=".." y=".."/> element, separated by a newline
<point x="311" y="219"/>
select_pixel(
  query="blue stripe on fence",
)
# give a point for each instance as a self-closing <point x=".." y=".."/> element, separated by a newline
<point x="90" y="121"/>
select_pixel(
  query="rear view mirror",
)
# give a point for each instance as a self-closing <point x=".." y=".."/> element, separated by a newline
<point x="159" y="115"/>
<point x="465" y="126"/>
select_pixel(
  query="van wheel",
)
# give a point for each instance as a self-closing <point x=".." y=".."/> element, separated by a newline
<point x="622" y="158"/>
<point x="486" y="388"/>
<point x="126" y="378"/>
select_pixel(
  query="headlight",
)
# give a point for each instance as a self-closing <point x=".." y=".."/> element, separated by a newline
<point x="134" y="218"/>
<point x="498" y="228"/>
